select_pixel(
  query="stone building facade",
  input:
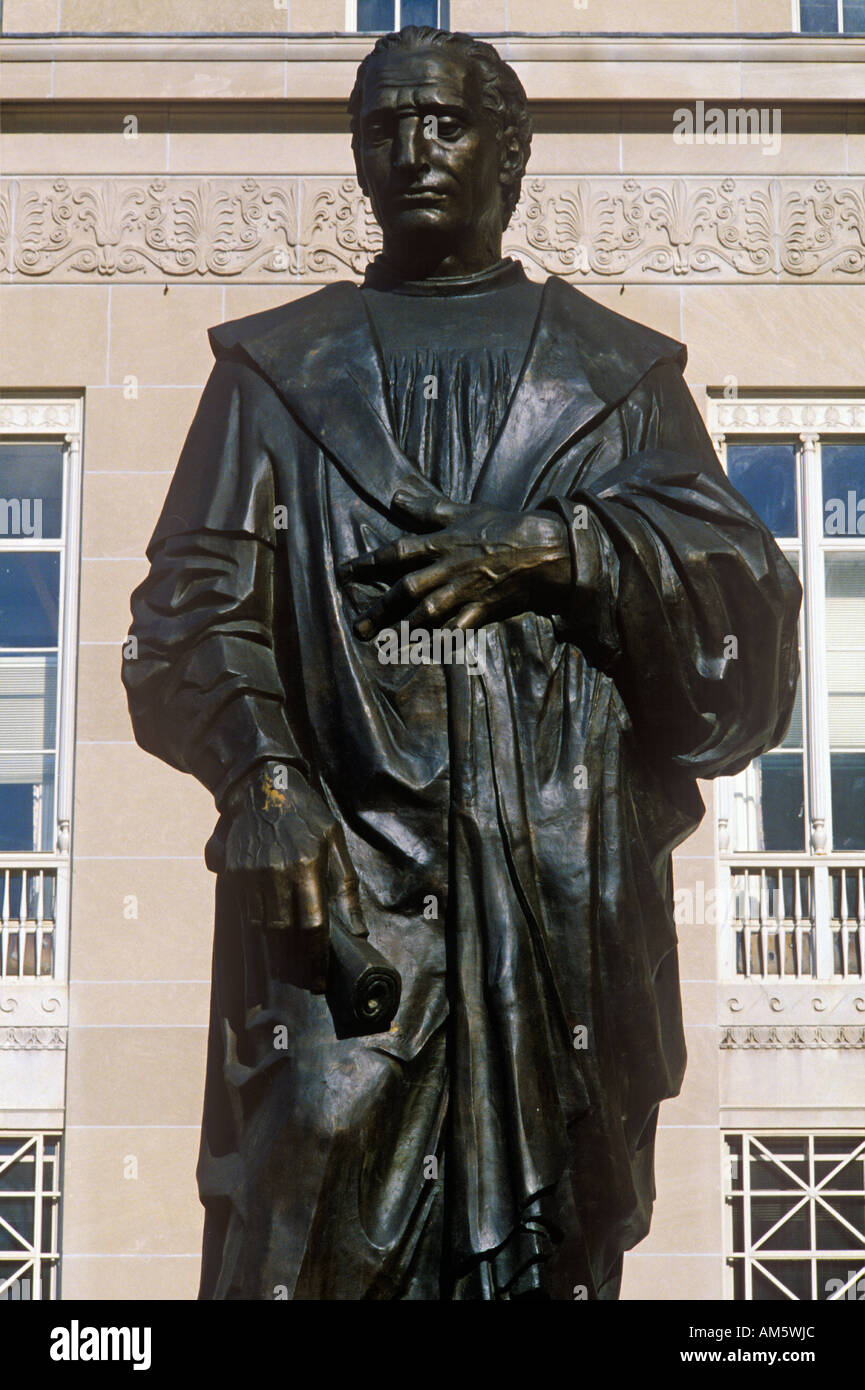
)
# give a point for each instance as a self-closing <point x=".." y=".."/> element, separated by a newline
<point x="167" y="164"/>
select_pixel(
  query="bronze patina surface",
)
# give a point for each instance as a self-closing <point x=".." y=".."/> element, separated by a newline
<point x="440" y="608"/>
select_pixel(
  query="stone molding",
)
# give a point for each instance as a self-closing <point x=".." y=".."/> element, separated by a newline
<point x="32" y="1039"/>
<point x="28" y="415"/>
<point x="305" y="230"/>
<point x="788" y="416"/>
<point x="794" y="1036"/>
<point x="565" y="47"/>
<point x="789" y="1003"/>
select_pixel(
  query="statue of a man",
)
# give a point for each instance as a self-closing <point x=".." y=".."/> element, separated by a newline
<point x="450" y="604"/>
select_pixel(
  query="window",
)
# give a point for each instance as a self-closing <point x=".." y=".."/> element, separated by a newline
<point x="39" y="522"/>
<point x="384" y="16"/>
<point x="792" y="825"/>
<point x="29" y="1214"/>
<point x="796" y="1216"/>
<point x="832" y="16"/>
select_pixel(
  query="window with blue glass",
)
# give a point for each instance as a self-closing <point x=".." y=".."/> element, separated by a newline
<point x="832" y="16"/>
<point x="384" y="16"/>
<point x="32" y="537"/>
<point x="810" y="492"/>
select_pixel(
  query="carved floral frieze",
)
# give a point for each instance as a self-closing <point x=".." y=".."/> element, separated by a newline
<point x="803" y="1035"/>
<point x="32" y="1039"/>
<point x="310" y="230"/>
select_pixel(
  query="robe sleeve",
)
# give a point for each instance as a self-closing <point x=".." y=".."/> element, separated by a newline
<point x="679" y="590"/>
<point x="200" y="672"/>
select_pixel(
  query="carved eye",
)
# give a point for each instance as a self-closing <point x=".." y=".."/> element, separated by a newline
<point x="449" y="128"/>
<point x="375" y="132"/>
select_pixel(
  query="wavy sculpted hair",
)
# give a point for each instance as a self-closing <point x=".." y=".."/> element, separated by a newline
<point x="503" y="98"/>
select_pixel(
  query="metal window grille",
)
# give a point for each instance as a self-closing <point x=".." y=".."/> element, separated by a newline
<point x="773" y="921"/>
<point x="795" y="921"/>
<point x="796" y="1205"/>
<point x="29" y="1216"/>
<point x="28" y="919"/>
<point x="847" y="889"/>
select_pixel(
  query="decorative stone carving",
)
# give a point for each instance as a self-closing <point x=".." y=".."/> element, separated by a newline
<point x="311" y="230"/>
<point x="5" y="224"/>
<point x="28" y="416"/>
<point x="791" y="416"/>
<point x="30" y="1039"/>
<point x="829" y="1003"/>
<point x="793" y="1036"/>
<point x="590" y="228"/>
<point x="338" y="230"/>
<point x="70" y="228"/>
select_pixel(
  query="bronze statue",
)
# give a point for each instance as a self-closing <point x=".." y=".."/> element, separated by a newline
<point x="439" y="609"/>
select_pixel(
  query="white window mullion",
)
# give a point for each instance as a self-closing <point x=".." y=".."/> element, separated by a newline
<point x="823" y="947"/>
<point x="67" y="629"/>
<point x="38" y="1164"/>
<point x="724" y="786"/>
<point x="816" y="706"/>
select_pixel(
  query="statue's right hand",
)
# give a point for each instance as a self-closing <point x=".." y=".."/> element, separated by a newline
<point x="284" y="855"/>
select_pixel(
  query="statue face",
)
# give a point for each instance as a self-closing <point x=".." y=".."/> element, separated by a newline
<point x="429" y="157"/>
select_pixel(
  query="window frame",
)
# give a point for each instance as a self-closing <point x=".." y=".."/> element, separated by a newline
<point x="53" y="419"/>
<point x="816" y="34"/>
<point x="808" y="421"/>
<point x="746" y="1256"/>
<point x="351" y="18"/>
<point x="43" y="1265"/>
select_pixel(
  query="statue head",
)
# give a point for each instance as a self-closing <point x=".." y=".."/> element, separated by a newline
<point x="441" y="136"/>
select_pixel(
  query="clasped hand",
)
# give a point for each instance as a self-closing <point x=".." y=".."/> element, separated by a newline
<point x="476" y="564"/>
<point x="277" y="843"/>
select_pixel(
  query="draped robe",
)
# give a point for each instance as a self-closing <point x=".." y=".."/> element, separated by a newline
<point x="511" y="829"/>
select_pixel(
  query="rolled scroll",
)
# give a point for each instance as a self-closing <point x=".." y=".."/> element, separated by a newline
<point x="363" y="989"/>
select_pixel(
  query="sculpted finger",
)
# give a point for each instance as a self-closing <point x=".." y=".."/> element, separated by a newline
<point x="427" y="509"/>
<point x="345" y="896"/>
<point x="309" y="942"/>
<point x="252" y="912"/>
<point x="387" y="560"/>
<point x="439" y="606"/>
<point x="247" y="888"/>
<point x="310" y="895"/>
<point x="474" y="616"/>
<point x="399" y="600"/>
<point x="278" y="896"/>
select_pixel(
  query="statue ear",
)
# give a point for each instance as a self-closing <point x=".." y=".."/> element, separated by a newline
<point x="511" y="155"/>
<point x="511" y="171"/>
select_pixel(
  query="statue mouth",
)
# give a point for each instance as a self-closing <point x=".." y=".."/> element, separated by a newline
<point x="420" y="197"/>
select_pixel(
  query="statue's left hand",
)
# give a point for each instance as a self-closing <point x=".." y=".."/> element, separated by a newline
<point x="477" y="564"/>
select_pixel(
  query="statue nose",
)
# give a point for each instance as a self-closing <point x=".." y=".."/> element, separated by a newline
<point x="409" y="149"/>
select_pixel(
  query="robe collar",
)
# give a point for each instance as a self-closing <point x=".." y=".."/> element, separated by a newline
<point x="320" y="355"/>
